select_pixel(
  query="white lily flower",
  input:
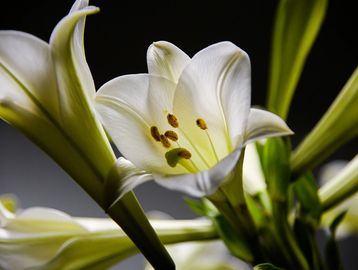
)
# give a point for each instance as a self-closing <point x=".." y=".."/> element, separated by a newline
<point x="188" y="119"/>
<point x="206" y="255"/>
<point x="44" y="238"/>
<point x="47" y="92"/>
<point x="337" y="170"/>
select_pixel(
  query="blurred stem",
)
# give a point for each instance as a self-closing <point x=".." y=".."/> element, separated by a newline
<point x="287" y="239"/>
<point x="343" y="185"/>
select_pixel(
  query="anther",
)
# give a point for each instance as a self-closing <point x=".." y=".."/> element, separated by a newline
<point x="165" y="142"/>
<point x="201" y="123"/>
<point x="171" y="135"/>
<point x="183" y="153"/>
<point x="154" y="131"/>
<point x="172" y="120"/>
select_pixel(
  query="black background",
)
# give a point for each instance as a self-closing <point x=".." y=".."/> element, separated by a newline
<point x="116" y="41"/>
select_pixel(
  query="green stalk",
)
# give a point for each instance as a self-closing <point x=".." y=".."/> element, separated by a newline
<point x="343" y="185"/>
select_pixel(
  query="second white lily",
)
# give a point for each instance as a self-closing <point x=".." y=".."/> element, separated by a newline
<point x="186" y="121"/>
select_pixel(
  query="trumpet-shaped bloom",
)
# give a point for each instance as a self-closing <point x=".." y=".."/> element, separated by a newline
<point x="47" y="91"/>
<point x="45" y="238"/>
<point x="188" y="119"/>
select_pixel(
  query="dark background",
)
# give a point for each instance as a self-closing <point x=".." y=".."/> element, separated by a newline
<point x="116" y="41"/>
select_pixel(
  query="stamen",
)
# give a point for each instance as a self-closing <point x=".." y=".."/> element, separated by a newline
<point x="201" y="123"/>
<point x="165" y="142"/>
<point x="171" y="135"/>
<point x="154" y="131"/>
<point x="172" y="120"/>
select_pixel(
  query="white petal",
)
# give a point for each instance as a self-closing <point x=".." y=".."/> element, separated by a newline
<point x="166" y="60"/>
<point x="203" y="183"/>
<point x="128" y="107"/>
<point x="67" y="45"/>
<point x="27" y="76"/>
<point x="263" y="124"/>
<point x="215" y="86"/>
<point x="253" y="177"/>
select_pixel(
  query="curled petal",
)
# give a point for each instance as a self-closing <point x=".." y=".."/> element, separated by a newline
<point x="263" y="124"/>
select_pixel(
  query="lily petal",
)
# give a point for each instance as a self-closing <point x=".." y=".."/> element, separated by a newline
<point x="128" y="107"/>
<point x="166" y="60"/>
<point x="203" y="183"/>
<point x="27" y="57"/>
<point x="76" y="87"/>
<point x="263" y="124"/>
<point x="215" y="86"/>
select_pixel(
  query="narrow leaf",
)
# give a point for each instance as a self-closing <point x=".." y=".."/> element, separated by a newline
<point x="295" y="30"/>
<point x="337" y="126"/>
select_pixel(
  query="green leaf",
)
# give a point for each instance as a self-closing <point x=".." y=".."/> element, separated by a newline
<point x="197" y="206"/>
<point x="296" y="26"/>
<point x="276" y="168"/>
<point x="307" y="195"/>
<point x="337" y="126"/>
<point x="266" y="266"/>
<point x="333" y="257"/>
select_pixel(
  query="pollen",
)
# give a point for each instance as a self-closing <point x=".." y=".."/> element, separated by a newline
<point x="201" y="123"/>
<point x="172" y="120"/>
<point x="165" y="142"/>
<point x="183" y="153"/>
<point x="154" y="131"/>
<point x="171" y="135"/>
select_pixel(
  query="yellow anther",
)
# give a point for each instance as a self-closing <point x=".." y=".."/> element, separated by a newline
<point x="172" y="120"/>
<point x="154" y="131"/>
<point x="171" y="135"/>
<point x="165" y="142"/>
<point x="183" y="153"/>
<point x="201" y="123"/>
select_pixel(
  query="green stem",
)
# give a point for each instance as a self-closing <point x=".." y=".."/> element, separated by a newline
<point x="288" y="242"/>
